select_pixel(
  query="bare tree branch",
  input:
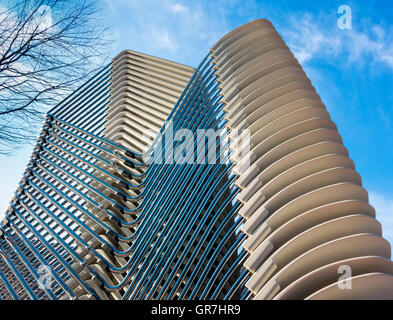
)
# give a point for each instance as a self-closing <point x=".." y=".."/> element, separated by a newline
<point x="47" y="49"/>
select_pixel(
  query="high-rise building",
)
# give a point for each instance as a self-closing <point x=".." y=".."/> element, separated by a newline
<point x="155" y="180"/>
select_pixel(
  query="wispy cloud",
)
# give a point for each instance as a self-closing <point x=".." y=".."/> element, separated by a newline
<point x="309" y="40"/>
<point x="179" y="8"/>
<point x="162" y="38"/>
<point x="313" y="36"/>
<point x="172" y="29"/>
<point x="180" y="27"/>
<point x="384" y="208"/>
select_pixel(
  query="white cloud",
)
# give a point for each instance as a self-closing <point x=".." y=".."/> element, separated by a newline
<point x="384" y="208"/>
<point x="177" y="30"/>
<point x="311" y="36"/>
<point x="163" y="39"/>
<point x="179" y="8"/>
<point x="44" y="17"/>
<point x="308" y="40"/>
<point x="40" y="21"/>
<point x="196" y="25"/>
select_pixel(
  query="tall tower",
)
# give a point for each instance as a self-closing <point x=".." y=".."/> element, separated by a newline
<point x="155" y="180"/>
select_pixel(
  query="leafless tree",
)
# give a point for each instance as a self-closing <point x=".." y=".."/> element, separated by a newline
<point x="47" y="48"/>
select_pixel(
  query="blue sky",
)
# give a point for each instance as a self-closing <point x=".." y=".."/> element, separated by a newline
<point x="352" y="70"/>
